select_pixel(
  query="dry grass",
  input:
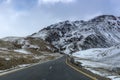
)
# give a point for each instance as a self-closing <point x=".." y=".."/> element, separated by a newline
<point x="50" y="58"/>
<point x="6" y="64"/>
<point x="43" y="46"/>
<point x="9" y="59"/>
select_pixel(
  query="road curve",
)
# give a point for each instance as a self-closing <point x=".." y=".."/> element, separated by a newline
<point x="52" y="70"/>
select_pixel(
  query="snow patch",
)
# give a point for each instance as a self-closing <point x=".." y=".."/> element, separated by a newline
<point x="41" y="34"/>
<point x="101" y="58"/>
<point x="22" y="51"/>
<point x="7" y="59"/>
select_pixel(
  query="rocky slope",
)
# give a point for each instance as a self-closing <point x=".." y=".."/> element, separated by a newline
<point x="18" y="51"/>
<point x="33" y="45"/>
<point x="71" y="36"/>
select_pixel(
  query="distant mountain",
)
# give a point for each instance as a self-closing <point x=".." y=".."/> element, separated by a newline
<point x="71" y="36"/>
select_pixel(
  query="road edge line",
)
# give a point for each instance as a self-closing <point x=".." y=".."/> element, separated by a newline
<point x="93" y="78"/>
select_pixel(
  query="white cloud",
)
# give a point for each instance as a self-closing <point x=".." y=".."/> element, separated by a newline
<point x="15" y="22"/>
<point x="55" y="1"/>
<point x="23" y="22"/>
<point x="8" y="1"/>
<point x="8" y="20"/>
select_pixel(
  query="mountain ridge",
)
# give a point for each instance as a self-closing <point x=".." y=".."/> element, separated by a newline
<point x="71" y="36"/>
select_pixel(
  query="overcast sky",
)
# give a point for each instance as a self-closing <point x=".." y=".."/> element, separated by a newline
<point x="24" y="17"/>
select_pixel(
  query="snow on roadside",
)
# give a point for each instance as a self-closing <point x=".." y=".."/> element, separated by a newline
<point x="23" y="65"/>
<point x="89" y="63"/>
<point x="104" y="74"/>
<point x="22" y="51"/>
<point x="92" y="54"/>
<point x="100" y="69"/>
<point x="109" y="56"/>
<point x="100" y="61"/>
<point x="114" y="78"/>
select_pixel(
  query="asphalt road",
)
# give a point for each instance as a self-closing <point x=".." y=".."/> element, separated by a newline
<point x="52" y="70"/>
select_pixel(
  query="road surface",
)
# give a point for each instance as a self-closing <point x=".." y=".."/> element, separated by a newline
<point x="52" y="70"/>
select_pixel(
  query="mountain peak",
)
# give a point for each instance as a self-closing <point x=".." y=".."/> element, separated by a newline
<point x="104" y="17"/>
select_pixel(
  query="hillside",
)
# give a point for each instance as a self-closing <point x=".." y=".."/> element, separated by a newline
<point x="102" y="61"/>
<point x="34" y="45"/>
<point x="16" y="52"/>
<point x="71" y="36"/>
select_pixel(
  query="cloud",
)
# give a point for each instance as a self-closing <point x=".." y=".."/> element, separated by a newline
<point x="8" y="1"/>
<point x="15" y="22"/>
<point x="24" y="17"/>
<point x="8" y="19"/>
<point x="55" y="1"/>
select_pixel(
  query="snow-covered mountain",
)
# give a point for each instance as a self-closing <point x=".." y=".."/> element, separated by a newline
<point x="109" y="55"/>
<point x="70" y="36"/>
